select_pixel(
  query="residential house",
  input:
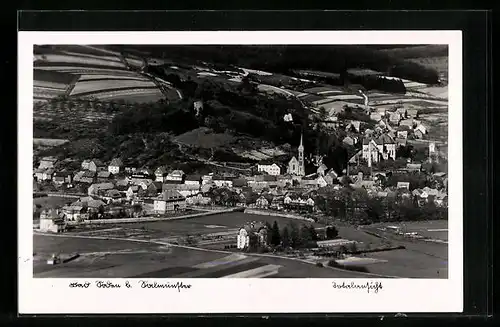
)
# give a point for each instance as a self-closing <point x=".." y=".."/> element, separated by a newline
<point x="143" y="173"/>
<point x="198" y="199"/>
<point x="414" y="167"/>
<point x="395" y="118"/>
<point x="95" y="189"/>
<point x="402" y="134"/>
<point x="112" y="196"/>
<point x="47" y="174"/>
<point x="169" y="201"/>
<point x="103" y="176"/>
<point x="403" y="185"/>
<point x="384" y="147"/>
<point x="277" y="203"/>
<point x="407" y="122"/>
<point x="262" y="202"/>
<point x="294" y="201"/>
<point x="132" y="192"/>
<point x="92" y="164"/>
<point x="412" y="113"/>
<point x="75" y="213"/>
<point x="51" y="221"/>
<point x="115" y="166"/>
<point x="400" y="142"/>
<point x="206" y="179"/>
<point x="421" y="128"/>
<point x="154" y="188"/>
<point x="272" y="169"/>
<point x="144" y="184"/>
<point x="176" y="175"/>
<point x="194" y="180"/>
<point x="38" y="174"/>
<point x="309" y="181"/>
<point x="87" y="176"/>
<point x="321" y="181"/>
<point x="47" y="162"/>
<point x="330" y="177"/>
<point x="221" y="181"/>
<point x="252" y="235"/>
<point x="59" y="180"/>
<point x="130" y="170"/>
<point x="418" y="134"/>
<point x="183" y="189"/>
<point x="161" y="174"/>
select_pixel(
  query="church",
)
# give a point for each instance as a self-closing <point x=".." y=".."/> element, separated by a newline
<point x="296" y="166"/>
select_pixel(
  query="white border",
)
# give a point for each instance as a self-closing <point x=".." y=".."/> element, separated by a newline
<point x="37" y="296"/>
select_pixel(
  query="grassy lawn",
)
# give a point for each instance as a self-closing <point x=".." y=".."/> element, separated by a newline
<point x="52" y="201"/>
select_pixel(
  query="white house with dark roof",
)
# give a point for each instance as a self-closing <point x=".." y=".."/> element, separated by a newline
<point x="272" y="169"/>
<point x="161" y="174"/>
<point x="176" y="175"/>
<point x="115" y="166"/>
<point x="194" y="180"/>
<point x="169" y="201"/>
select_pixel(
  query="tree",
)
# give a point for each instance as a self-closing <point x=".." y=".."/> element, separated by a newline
<point x="269" y="233"/>
<point x="294" y="235"/>
<point x="312" y="232"/>
<point x="285" y="237"/>
<point x="331" y="232"/>
<point x="275" y="234"/>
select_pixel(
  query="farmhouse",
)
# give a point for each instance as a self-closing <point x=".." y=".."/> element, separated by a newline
<point x="194" y="180"/>
<point x="407" y="122"/>
<point x="403" y="185"/>
<point x="47" y="162"/>
<point x="220" y="181"/>
<point x="252" y="235"/>
<point x="115" y="166"/>
<point x="94" y="189"/>
<point x="103" y="176"/>
<point x="169" y="201"/>
<point x="92" y="165"/>
<point x="51" y="221"/>
<point x="132" y="192"/>
<point x="75" y="213"/>
<point x="272" y="169"/>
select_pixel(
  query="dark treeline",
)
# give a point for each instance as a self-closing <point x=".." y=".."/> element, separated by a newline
<point x="282" y="59"/>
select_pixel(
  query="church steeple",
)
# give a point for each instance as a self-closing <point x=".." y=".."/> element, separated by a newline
<point x="301" y="170"/>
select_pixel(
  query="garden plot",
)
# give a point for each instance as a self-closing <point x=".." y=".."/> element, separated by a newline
<point x="70" y="59"/>
<point x="103" y="85"/>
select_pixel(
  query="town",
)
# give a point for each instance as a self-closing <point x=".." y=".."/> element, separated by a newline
<point x="390" y="181"/>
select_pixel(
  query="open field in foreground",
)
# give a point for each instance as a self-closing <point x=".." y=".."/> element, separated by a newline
<point x="126" y="259"/>
<point x="122" y="258"/>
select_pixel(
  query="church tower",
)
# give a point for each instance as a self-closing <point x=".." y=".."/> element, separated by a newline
<point x="301" y="170"/>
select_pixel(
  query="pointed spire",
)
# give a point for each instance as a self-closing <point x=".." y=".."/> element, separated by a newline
<point x="301" y="136"/>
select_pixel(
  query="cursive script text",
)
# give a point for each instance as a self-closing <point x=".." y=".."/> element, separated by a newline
<point x="368" y="286"/>
<point x="178" y="285"/>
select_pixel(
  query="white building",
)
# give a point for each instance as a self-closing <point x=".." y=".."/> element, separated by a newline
<point x="273" y="169"/>
<point x="176" y="175"/>
<point x="115" y="166"/>
<point x="252" y="235"/>
<point x="50" y="221"/>
<point x="169" y="201"/>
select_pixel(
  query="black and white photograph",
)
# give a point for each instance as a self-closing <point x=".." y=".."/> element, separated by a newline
<point x="254" y="161"/>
